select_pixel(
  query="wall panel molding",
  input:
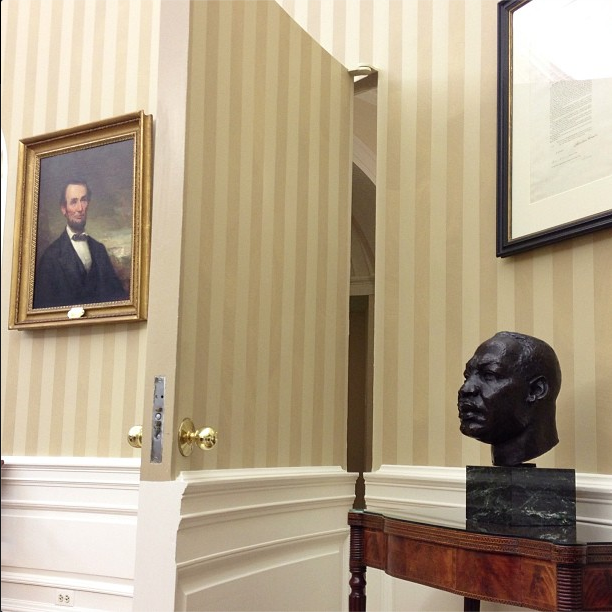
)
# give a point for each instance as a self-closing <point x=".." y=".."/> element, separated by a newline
<point x="427" y="492"/>
<point x="444" y="487"/>
<point x="68" y="523"/>
<point x="245" y="535"/>
<point x="238" y="531"/>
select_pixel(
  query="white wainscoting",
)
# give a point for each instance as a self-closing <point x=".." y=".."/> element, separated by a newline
<point x="69" y="525"/>
<point x="265" y="539"/>
<point x="260" y="539"/>
<point x="423" y="493"/>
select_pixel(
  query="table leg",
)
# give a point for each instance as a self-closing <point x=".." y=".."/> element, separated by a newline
<point x="471" y="605"/>
<point x="357" y="567"/>
<point x="569" y="587"/>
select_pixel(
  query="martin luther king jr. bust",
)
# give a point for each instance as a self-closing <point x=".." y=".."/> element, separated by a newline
<point x="508" y="398"/>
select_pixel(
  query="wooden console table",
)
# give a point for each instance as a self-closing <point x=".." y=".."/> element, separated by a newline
<point x="523" y="571"/>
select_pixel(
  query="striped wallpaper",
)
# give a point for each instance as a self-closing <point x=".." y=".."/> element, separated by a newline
<point x="260" y="348"/>
<point x="65" y="63"/>
<point x="261" y="338"/>
<point x="440" y="290"/>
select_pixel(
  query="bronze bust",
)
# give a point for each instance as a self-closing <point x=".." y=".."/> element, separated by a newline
<point x="508" y="398"/>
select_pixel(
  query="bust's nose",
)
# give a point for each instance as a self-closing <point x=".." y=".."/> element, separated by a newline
<point x="468" y="388"/>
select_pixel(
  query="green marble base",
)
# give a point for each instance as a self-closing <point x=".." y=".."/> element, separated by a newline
<point x="560" y="534"/>
<point x="522" y="495"/>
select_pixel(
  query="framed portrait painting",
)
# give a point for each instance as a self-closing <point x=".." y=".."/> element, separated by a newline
<point x="554" y="161"/>
<point x="82" y="225"/>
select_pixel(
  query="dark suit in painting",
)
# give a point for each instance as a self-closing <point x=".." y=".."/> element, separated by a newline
<point x="61" y="278"/>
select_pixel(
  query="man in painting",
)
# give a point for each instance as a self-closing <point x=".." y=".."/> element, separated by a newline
<point x="75" y="269"/>
<point x="509" y="397"/>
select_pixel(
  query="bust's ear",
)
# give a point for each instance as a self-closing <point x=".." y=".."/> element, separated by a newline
<point x="538" y="389"/>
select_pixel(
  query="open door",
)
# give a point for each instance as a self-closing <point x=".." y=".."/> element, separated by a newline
<point x="251" y="238"/>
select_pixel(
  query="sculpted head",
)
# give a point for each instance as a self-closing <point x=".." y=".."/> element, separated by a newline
<point x="508" y="398"/>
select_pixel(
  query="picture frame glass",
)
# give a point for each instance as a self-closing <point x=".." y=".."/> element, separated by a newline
<point x="554" y="121"/>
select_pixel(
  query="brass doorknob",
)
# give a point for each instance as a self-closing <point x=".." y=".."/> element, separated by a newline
<point x="205" y="437"/>
<point x="134" y="436"/>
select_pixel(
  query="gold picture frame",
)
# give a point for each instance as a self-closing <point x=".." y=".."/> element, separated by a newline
<point x="95" y="177"/>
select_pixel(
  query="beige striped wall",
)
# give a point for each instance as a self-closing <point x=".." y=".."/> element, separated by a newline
<point x="258" y="345"/>
<point x="255" y="358"/>
<point x="64" y="63"/>
<point x="440" y="290"/>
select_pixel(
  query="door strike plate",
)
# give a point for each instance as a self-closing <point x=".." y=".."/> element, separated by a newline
<point x="157" y="429"/>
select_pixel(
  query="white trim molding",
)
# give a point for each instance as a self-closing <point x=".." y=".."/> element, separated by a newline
<point x="245" y="535"/>
<point x="208" y="539"/>
<point x="68" y="524"/>
<point x="241" y="536"/>
<point x="438" y="493"/>
<point x="427" y="488"/>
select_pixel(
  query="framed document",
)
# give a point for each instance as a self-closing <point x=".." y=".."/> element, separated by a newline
<point x="554" y="166"/>
<point x="82" y="225"/>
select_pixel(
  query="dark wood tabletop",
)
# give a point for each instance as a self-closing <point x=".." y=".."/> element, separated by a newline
<point x="526" y="568"/>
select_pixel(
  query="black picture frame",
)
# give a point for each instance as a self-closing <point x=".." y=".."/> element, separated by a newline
<point x="580" y="216"/>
